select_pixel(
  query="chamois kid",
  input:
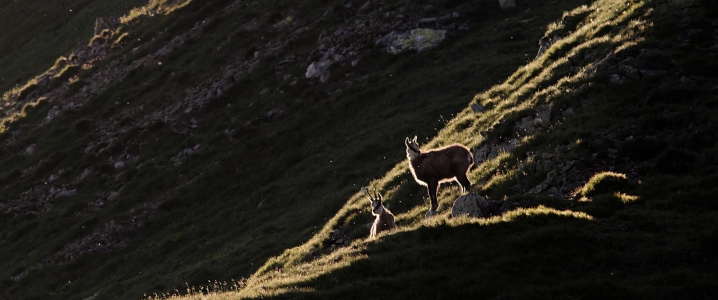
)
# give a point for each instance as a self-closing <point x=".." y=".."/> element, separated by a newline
<point x="384" y="218"/>
<point x="432" y="167"/>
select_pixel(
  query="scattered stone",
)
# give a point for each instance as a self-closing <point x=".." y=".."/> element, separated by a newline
<point x="615" y="78"/>
<point x="544" y="44"/>
<point x="481" y="154"/>
<point x="65" y="193"/>
<point x="274" y="114"/>
<point x="337" y="239"/>
<point x="53" y="178"/>
<point x="365" y="7"/>
<point x="478" y="108"/>
<point x="30" y="149"/>
<point x="113" y="196"/>
<point x="544" y="118"/>
<point x="339" y="58"/>
<point x="54" y="112"/>
<point x="319" y="69"/>
<point x="507" y="4"/>
<point x="540" y="187"/>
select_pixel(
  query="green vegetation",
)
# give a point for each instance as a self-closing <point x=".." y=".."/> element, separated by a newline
<point x="150" y="170"/>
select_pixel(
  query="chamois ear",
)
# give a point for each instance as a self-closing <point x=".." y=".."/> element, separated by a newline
<point x="415" y="142"/>
<point x="406" y="142"/>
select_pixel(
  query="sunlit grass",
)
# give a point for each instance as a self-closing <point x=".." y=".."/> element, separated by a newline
<point x="604" y="182"/>
<point x="153" y="8"/>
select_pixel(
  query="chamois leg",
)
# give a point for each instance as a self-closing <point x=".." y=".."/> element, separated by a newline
<point x="433" y="187"/>
<point x="464" y="182"/>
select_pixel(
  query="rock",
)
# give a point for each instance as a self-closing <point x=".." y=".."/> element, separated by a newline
<point x="65" y="193"/>
<point x="365" y="7"/>
<point x="507" y="4"/>
<point x="53" y="178"/>
<point x="567" y="167"/>
<point x="339" y="58"/>
<point x="551" y="175"/>
<point x="105" y="23"/>
<point x="482" y="153"/>
<point x="695" y="33"/>
<point x="30" y="149"/>
<point x="285" y="22"/>
<point x="544" y="118"/>
<point x="478" y="108"/>
<point x="274" y="114"/>
<point x="630" y="71"/>
<point x="615" y="78"/>
<point x="540" y="187"/>
<point x="430" y="214"/>
<point x="544" y="44"/>
<point x="416" y="39"/>
<point x="471" y="205"/>
<point x="319" y="69"/>
<point x="54" y="112"/>
<point x="545" y="165"/>
<point x="113" y="196"/>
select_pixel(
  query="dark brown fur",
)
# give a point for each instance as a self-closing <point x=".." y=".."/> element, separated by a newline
<point x="431" y="168"/>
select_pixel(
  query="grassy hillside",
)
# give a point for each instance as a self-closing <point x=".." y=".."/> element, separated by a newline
<point x="189" y="147"/>
<point x="616" y="194"/>
<point x="36" y="33"/>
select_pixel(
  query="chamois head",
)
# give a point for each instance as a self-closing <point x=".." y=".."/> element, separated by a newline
<point x="412" y="148"/>
<point x="384" y="219"/>
<point x="377" y="206"/>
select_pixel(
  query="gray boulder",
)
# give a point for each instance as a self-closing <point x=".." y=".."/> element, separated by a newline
<point x="419" y="39"/>
<point x="319" y="69"/>
<point x="471" y="205"/>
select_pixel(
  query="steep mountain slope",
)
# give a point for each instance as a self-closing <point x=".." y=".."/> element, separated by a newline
<point x="187" y="146"/>
<point x="616" y="193"/>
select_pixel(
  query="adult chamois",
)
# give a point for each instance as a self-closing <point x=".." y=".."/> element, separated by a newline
<point x="384" y="218"/>
<point x="432" y="167"/>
